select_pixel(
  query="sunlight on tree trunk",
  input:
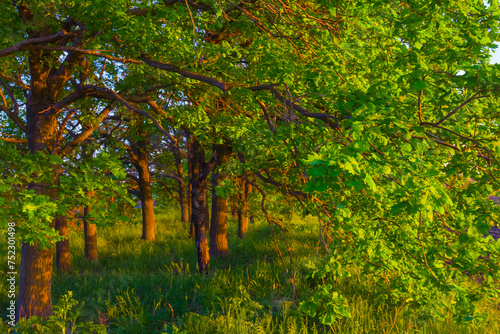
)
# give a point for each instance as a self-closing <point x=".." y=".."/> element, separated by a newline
<point x="244" y="188"/>
<point x="63" y="255"/>
<point x="90" y="233"/>
<point x="218" y="227"/>
<point x="35" y="283"/>
<point x="138" y="153"/>
<point x="34" y="296"/>
<point x="147" y="203"/>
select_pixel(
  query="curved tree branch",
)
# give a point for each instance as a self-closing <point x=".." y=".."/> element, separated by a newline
<point x="24" y="45"/>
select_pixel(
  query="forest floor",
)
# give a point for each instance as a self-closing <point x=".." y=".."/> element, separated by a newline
<point x="154" y="287"/>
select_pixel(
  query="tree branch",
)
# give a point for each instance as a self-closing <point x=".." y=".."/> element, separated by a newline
<point x="15" y="140"/>
<point x="105" y="93"/>
<point x="12" y="115"/>
<point x="25" y="45"/>
<point x="199" y="77"/>
<point x="271" y="125"/>
<point x="88" y="52"/>
<point x="85" y="133"/>
<point x="472" y="98"/>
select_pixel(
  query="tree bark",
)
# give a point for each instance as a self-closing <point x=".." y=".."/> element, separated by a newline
<point x="90" y="233"/>
<point x="35" y="283"/>
<point x="63" y="255"/>
<point x="206" y="210"/>
<point x="147" y="202"/>
<point x="34" y="296"/>
<point x="183" y="201"/>
<point x="190" y="187"/>
<point x="242" y="222"/>
<point x="218" y="226"/>
<point x="198" y="182"/>
<point x="183" y="198"/>
<point x="139" y="155"/>
<point x="234" y="206"/>
<point x="245" y="188"/>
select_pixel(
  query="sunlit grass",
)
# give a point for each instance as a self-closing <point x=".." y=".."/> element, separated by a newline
<point x="154" y="287"/>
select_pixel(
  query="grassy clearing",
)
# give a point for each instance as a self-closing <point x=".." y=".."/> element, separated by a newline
<point x="144" y="287"/>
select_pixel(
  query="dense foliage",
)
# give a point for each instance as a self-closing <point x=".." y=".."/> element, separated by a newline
<point x="380" y="118"/>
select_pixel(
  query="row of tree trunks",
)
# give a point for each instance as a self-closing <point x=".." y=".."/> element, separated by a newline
<point x="63" y="255"/>
<point x="218" y="227"/>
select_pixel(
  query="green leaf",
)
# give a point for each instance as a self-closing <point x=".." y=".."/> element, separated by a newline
<point x="369" y="182"/>
<point x="419" y="85"/>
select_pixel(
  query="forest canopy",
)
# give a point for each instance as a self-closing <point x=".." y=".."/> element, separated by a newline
<point x="379" y="118"/>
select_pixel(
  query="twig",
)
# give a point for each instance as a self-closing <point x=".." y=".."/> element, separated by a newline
<point x="422" y="245"/>
<point x="395" y="317"/>
<point x="191" y="16"/>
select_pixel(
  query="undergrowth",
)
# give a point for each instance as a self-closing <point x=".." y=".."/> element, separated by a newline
<point x="154" y="287"/>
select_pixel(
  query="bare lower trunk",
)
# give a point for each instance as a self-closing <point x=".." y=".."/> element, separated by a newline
<point x="234" y="205"/>
<point x="190" y="193"/>
<point x="191" y="227"/>
<point x="183" y="197"/>
<point x="243" y="213"/>
<point x="90" y="233"/>
<point x="35" y="285"/>
<point x="184" y="207"/>
<point x="200" y="231"/>
<point x="242" y="224"/>
<point x="198" y="184"/>
<point x="205" y="209"/>
<point x="218" y="231"/>
<point x="148" y="214"/>
<point x="138" y="153"/>
<point x="63" y="256"/>
<point x="218" y="226"/>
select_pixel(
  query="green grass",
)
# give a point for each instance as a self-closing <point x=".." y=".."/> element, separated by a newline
<point x="146" y="287"/>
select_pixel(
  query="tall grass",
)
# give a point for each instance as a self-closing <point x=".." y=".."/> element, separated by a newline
<point x="154" y="287"/>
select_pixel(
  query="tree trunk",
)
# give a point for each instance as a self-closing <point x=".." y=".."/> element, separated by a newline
<point x="245" y="189"/>
<point x="198" y="182"/>
<point x="35" y="283"/>
<point x="147" y="203"/>
<point x="34" y="296"/>
<point x="190" y="188"/>
<point x="63" y="256"/>
<point x="242" y="223"/>
<point x="183" y="197"/>
<point x="184" y="205"/>
<point x="234" y="203"/>
<point x="191" y="223"/>
<point x="206" y="210"/>
<point x="218" y="226"/>
<point x="90" y="233"/>
<point x="139" y="155"/>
